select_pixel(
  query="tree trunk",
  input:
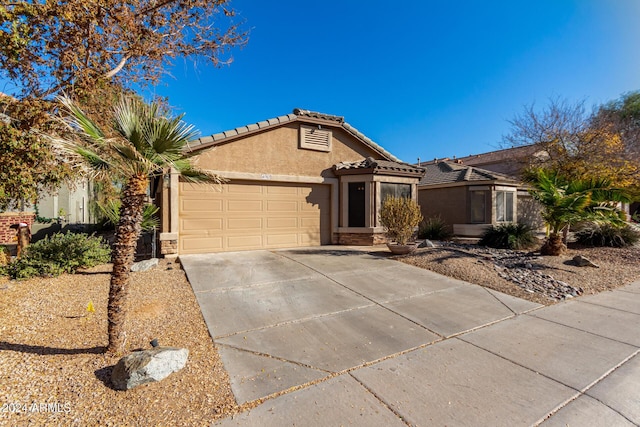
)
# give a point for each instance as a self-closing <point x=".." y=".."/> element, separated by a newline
<point x="127" y="234"/>
<point x="553" y="246"/>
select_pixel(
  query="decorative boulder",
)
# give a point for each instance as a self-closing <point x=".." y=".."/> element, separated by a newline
<point x="148" y="366"/>
<point x="581" y="261"/>
<point x="427" y="244"/>
<point x="145" y="265"/>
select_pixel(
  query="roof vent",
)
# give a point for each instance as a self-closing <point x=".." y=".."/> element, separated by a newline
<point x="315" y="138"/>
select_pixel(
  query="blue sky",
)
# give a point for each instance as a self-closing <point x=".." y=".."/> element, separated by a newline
<point x="420" y="77"/>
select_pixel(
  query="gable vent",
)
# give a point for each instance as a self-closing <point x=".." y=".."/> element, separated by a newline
<point x="312" y="138"/>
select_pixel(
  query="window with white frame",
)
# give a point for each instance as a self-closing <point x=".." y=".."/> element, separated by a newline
<point x="504" y="206"/>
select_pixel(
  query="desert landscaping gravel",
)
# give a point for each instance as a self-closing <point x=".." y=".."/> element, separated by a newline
<point x="491" y="267"/>
<point x="53" y="370"/>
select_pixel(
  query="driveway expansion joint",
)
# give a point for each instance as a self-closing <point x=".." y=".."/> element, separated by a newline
<point x="294" y="321"/>
<point x="381" y="400"/>
<point x="585" y="331"/>
<point x="585" y="392"/>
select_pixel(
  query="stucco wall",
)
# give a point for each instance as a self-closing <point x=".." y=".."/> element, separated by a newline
<point x="450" y="203"/>
<point x="276" y="152"/>
<point x="73" y="204"/>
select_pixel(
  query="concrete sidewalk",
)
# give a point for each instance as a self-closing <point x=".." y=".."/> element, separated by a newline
<point x="337" y="336"/>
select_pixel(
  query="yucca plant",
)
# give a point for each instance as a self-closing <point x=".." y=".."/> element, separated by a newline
<point x="508" y="236"/>
<point x="608" y="235"/>
<point x="434" y="228"/>
<point x="149" y="142"/>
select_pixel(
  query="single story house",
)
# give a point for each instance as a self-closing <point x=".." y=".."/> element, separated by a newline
<point x="468" y="199"/>
<point x="302" y="179"/>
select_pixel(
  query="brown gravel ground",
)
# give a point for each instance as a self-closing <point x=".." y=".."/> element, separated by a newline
<point x="618" y="267"/>
<point x="50" y="353"/>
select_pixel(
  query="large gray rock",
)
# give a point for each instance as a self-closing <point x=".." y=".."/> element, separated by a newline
<point x="427" y="244"/>
<point x="581" y="261"/>
<point x="145" y="265"/>
<point x="148" y="366"/>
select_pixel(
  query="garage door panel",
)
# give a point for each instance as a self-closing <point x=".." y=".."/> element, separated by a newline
<point x="282" y="190"/>
<point x="244" y="205"/>
<point x="190" y="205"/>
<point x="197" y="225"/>
<point x="192" y="244"/>
<point x="310" y="223"/>
<point x="243" y="189"/>
<point x="254" y="215"/>
<point x="282" y="206"/>
<point x="199" y="190"/>
<point x="287" y="222"/>
<point x="246" y="242"/>
<point x="245" y="223"/>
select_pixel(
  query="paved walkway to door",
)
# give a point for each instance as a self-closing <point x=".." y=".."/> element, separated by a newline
<point x="344" y="336"/>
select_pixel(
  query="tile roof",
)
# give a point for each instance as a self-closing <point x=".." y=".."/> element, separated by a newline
<point x="297" y="115"/>
<point x="443" y="172"/>
<point x="380" y="166"/>
<point x="506" y="154"/>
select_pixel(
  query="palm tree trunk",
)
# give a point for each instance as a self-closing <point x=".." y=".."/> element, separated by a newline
<point x="553" y="246"/>
<point x="127" y="234"/>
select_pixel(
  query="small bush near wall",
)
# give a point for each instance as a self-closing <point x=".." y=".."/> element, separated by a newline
<point x="607" y="235"/>
<point x="59" y="253"/>
<point x="399" y="216"/>
<point x="434" y="228"/>
<point x="508" y="236"/>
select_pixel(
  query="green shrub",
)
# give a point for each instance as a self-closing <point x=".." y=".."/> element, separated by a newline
<point x="400" y="216"/>
<point x="607" y="235"/>
<point x="26" y="267"/>
<point x="508" y="236"/>
<point x="434" y="228"/>
<point x="60" y="253"/>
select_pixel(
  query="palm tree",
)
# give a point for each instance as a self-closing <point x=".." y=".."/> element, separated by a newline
<point x="565" y="202"/>
<point x="148" y="143"/>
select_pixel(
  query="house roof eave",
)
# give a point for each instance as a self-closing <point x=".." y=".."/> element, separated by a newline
<point x="298" y="115"/>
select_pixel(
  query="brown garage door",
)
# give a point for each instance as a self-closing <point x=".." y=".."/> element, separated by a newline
<point x="243" y="215"/>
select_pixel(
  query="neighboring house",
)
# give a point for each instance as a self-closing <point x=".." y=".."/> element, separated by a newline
<point x="508" y="161"/>
<point x="303" y="179"/>
<point x="467" y="198"/>
<point x="70" y="205"/>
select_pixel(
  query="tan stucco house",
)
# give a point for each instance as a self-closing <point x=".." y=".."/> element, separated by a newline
<point x="467" y="198"/>
<point x="302" y="179"/>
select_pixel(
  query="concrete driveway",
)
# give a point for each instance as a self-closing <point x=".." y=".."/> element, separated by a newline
<point x="338" y="335"/>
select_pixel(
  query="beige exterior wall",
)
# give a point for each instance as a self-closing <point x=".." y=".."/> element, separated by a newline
<point x="450" y="203"/>
<point x="276" y="152"/>
<point x="453" y="205"/>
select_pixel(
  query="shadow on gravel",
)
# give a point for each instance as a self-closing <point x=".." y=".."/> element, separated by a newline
<point x="47" y="351"/>
<point x="104" y="375"/>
